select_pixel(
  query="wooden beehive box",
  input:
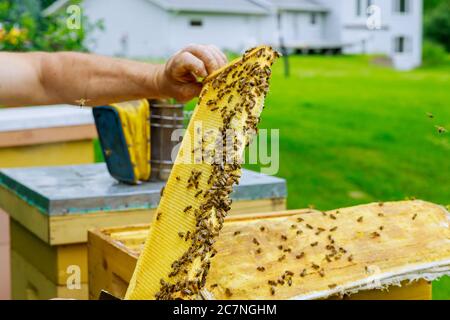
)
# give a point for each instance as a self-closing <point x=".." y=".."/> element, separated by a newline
<point x="388" y="251"/>
<point x="39" y="136"/>
<point x="51" y="209"/>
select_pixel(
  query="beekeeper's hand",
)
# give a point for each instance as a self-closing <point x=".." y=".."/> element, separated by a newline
<point x="179" y="77"/>
<point x="38" y="78"/>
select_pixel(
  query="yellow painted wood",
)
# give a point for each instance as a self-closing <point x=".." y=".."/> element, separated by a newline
<point x="27" y="215"/>
<point x="70" y="229"/>
<point x="73" y="228"/>
<point x="28" y="283"/>
<point x="74" y="152"/>
<point x="51" y="261"/>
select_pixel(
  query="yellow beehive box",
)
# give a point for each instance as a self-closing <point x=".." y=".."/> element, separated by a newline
<point x="388" y="251"/>
<point x="39" y="136"/>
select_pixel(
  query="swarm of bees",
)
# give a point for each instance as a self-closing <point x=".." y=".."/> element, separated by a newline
<point x="249" y="80"/>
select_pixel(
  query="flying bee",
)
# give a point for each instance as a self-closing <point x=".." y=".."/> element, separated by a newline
<point x="82" y="102"/>
<point x="360" y="219"/>
<point x="430" y="115"/>
<point x="187" y="209"/>
<point x="261" y="269"/>
<point x="350" y="258"/>
<point x="158" y="216"/>
<point x="333" y="229"/>
<point x="314" y="244"/>
<point x="414" y="217"/>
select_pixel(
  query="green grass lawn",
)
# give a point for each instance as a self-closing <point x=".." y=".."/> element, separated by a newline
<point x="352" y="132"/>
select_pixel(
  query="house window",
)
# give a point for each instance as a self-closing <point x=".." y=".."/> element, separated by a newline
<point x="313" y="18"/>
<point x="401" y="44"/>
<point x="369" y="3"/>
<point x="401" y="6"/>
<point x="196" y="23"/>
<point x="359" y="6"/>
<point x="362" y="6"/>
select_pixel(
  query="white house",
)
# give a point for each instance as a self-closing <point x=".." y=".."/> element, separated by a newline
<point x="160" y="27"/>
<point x="145" y="28"/>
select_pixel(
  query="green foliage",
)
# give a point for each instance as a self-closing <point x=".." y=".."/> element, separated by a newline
<point x="434" y="54"/>
<point x="23" y="28"/>
<point x="437" y="24"/>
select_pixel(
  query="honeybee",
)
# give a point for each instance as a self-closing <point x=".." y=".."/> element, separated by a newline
<point x="441" y="129"/>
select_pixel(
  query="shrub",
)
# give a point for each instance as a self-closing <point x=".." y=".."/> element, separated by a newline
<point x="434" y="54"/>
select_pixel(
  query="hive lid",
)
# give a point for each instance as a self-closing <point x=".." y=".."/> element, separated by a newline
<point x="17" y="119"/>
<point x="79" y="189"/>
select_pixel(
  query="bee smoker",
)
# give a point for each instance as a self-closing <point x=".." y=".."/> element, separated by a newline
<point x="165" y="118"/>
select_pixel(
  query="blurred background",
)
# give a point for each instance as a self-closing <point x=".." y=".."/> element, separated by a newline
<point x="361" y="98"/>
